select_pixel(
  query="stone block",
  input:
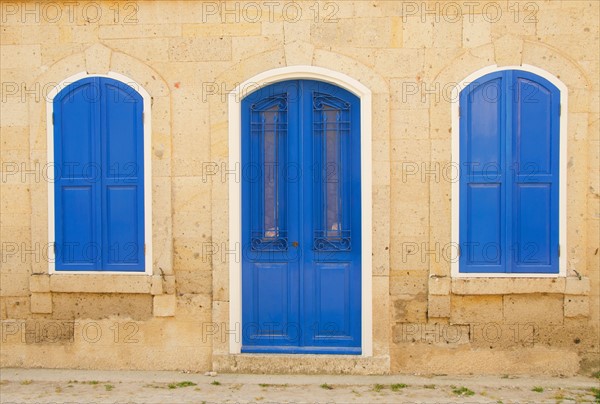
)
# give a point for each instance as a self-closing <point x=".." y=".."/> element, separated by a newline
<point x="194" y="253"/>
<point x="148" y="50"/>
<point x="577" y="306"/>
<point x="576" y="286"/>
<point x="39" y="283"/>
<point x="417" y="34"/>
<point x="538" y="309"/>
<point x="194" y="281"/>
<point x="14" y="283"/>
<point x="199" y="49"/>
<point x="140" y="31"/>
<point x="20" y="57"/>
<point x="476" y="309"/>
<point x="156" y="287"/>
<point x="508" y="50"/>
<point x="409" y="310"/>
<point x="506" y="286"/>
<point x="142" y="73"/>
<point x="408" y="283"/>
<point x="220" y="283"/>
<point x="41" y="303"/>
<point x="439" y="286"/>
<point x="299" y="53"/>
<point x="16" y="307"/>
<point x="100" y="283"/>
<point x="231" y="29"/>
<point x="477" y="31"/>
<point x="97" y="59"/>
<point x="438" y="307"/>
<point x="15" y="198"/>
<point x="381" y="321"/>
<point x="164" y="305"/>
<point x="169" y="284"/>
<point x="96" y="306"/>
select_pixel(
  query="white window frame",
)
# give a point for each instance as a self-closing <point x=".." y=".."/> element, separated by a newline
<point x="235" y="191"/>
<point x="562" y="198"/>
<point x="147" y="127"/>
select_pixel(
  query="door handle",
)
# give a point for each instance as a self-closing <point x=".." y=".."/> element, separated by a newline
<point x="295" y="244"/>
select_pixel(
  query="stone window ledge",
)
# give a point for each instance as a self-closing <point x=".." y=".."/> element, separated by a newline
<point x="506" y="286"/>
<point x="161" y="288"/>
<point x="101" y="283"/>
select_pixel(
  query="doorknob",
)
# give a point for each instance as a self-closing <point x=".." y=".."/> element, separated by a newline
<point x="295" y="244"/>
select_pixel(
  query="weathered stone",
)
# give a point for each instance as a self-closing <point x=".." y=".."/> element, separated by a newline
<point x="535" y="308"/>
<point x="576" y="306"/>
<point x="41" y="303"/>
<point x="576" y="286"/>
<point x="100" y="284"/>
<point x="476" y="309"/>
<point x="39" y="283"/>
<point x="439" y="306"/>
<point x="164" y="305"/>
<point x="505" y="286"/>
<point x="156" y="287"/>
<point x="439" y="286"/>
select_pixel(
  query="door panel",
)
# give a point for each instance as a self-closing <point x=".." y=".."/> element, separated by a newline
<point x="301" y="219"/>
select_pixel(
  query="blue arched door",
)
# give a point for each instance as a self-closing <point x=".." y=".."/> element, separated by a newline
<point x="301" y="219"/>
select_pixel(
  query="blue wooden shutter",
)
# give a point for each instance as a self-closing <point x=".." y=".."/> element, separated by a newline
<point x="483" y="176"/>
<point x="98" y="153"/>
<point x="122" y="181"/>
<point x="77" y="187"/>
<point x="535" y="170"/>
<point x="509" y="187"/>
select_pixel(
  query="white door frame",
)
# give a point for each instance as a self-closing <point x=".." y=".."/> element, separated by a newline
<point x="235" y="191"/>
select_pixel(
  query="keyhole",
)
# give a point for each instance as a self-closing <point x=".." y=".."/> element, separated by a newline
<point x="295" y="244"/>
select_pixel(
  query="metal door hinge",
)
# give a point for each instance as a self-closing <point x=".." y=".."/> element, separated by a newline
<point x="53" y="118"/>
<point x="144" y="248"/>
<point x="559" y="250"/>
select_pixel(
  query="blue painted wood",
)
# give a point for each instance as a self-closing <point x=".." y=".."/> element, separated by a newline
<point x="536" y="153"/>
<point x="483" y="175"/>
<point x="99" y="186"/>
<point x="509" y="155"/>
<point x="301" y="289"/>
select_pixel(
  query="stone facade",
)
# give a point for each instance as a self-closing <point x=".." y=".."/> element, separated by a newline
<point x="188" y="56"/>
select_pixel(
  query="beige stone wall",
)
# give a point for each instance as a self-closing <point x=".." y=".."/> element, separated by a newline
<point x="188" y="56"/>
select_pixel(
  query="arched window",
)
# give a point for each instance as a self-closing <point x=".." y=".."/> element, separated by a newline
<point x="98" y="154"/>
<point x="509" y="183"/>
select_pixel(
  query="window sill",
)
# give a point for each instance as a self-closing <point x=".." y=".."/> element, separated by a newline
<point x="507" y="286"/>
<point x="96" y="283"/>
